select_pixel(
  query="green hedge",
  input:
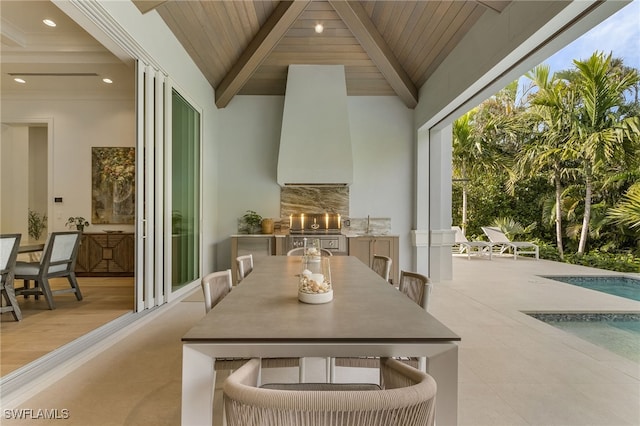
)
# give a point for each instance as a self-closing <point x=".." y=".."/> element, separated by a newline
<point x="620" y="262"/>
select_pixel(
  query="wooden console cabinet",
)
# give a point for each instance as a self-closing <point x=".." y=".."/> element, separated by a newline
<point x="365" y="247"/>
<point x="106" y="254"/>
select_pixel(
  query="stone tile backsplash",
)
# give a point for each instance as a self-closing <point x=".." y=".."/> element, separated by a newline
<point x="314" y="200"/>
<point x="326" y="199"/>
<point x="374" y="225"/>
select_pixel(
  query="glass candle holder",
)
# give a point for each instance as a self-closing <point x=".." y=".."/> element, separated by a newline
<point x="315" y="280"/>
<point x="312" y="249"/>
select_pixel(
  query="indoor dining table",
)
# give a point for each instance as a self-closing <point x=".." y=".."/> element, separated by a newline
<point x="262" y="318"/>
<point x="31" y="247"/>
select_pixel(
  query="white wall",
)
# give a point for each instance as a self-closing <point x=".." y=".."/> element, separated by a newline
<point x="39" y="170"/>
<point x="382" y="139"/>
<point x="76" y="126"/>
<point x="14" y="179"/>
<point x="249" y="133"/>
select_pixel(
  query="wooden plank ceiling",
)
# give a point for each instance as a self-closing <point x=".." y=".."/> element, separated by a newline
<point x="388" y="48"/>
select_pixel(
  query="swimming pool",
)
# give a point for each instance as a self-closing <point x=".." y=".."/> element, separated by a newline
<point x="618" y="285"/>
<point x="618" y="332"/>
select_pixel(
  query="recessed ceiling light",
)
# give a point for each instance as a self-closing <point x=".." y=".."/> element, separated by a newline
<point x="19" y="80"/>
<point x="319" y="28"/>
<point x="107" y="80"/>
<point x="49" y="22"/>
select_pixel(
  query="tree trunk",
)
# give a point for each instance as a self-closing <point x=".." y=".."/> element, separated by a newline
<point x="559" y="213"/>
<point x="464" y="199"/>
<point x="464" y="208"/>
<point x="587" y="214"/>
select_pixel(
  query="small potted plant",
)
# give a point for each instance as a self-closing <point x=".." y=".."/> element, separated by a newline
<point x="253" y="222"/>
<point x="79" y="222"/>
<point x="37" y="224"/>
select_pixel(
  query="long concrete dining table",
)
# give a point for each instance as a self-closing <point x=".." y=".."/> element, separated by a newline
<point x="262" y="318"/>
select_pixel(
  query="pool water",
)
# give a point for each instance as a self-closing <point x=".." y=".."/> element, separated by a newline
<point x="622" y="286"/>
<point x="616" y="332"/>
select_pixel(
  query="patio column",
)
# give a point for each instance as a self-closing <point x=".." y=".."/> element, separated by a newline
<point x="441" y="237"/>
<point x="420" y="232"/>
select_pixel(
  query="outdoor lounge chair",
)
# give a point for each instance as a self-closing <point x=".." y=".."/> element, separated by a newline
<point x="481" y="247"/>
<point x="499" y="239"/>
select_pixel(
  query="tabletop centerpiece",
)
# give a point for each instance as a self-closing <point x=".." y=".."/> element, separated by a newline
<point x="315" y="281"/>
<point x="312" y="249"/>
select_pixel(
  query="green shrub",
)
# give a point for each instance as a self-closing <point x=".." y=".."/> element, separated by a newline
<point x="620" y="262"/>
<point x="548" y="251"/>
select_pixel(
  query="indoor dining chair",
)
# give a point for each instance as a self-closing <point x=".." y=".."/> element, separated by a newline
<point x="58" y="260"/>
<point x="406" y="397"/>
<point x="9" y="245"/>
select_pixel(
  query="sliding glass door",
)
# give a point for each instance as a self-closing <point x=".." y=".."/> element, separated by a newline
<point x="168" y="219"/>
<point x="185" y="192"/>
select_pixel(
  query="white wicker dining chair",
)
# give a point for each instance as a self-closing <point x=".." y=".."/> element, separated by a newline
<point x="299" y="251"/>
<point x="417" y="288"/>
<point x="245" y="266"/>
<point x="382" y="266"/>
<point x="215" y="286"/>
<point x="406" y="399"/>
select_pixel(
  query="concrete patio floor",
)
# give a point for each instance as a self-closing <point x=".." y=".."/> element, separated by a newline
<point x="513" y="369"/>
<point x="516" y="370"/>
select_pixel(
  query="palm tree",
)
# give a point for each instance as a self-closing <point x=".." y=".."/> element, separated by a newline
<point x="549" y="115"/>
<point x="599" y="137"/>
<point x="466" y="151"/>
<point x="627" y="212"/>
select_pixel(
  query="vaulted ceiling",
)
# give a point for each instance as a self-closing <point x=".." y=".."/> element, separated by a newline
<point x="388" y="48"/>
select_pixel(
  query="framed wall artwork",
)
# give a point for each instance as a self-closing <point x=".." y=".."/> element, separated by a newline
<point x="113" y="171"/>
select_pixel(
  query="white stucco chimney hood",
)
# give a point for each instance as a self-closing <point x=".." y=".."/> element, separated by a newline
<point x="315" y="141"/>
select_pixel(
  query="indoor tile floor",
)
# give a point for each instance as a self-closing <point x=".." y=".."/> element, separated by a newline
<point x="513" y="370"/>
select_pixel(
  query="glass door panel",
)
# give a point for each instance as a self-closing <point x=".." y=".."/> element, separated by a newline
<point x="185" y="193"/>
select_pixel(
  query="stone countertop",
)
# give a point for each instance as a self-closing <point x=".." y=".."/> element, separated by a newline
<point x="356" y="235"/>
<point x="284" y="234"/>
<point x="277" y="235"/>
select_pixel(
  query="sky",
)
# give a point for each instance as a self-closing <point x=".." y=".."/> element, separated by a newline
<point x="620" y="34"/>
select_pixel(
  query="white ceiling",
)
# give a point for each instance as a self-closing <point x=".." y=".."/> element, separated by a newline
<point x="78" y="61"/>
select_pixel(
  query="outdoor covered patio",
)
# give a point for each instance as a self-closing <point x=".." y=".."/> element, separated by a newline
<point x="513" y="369"/>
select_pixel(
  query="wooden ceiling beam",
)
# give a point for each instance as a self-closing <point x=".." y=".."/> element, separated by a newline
<point x="357" y="20"/>
<point x="145" y="6"/>
<point x="283" y="16"/>
<point x="495" y="5"/>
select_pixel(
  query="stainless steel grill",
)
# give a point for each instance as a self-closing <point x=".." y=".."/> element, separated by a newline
<point x="324" y="223"/>
<point x="336" y="244"/>
<point x="325" y="227"/>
